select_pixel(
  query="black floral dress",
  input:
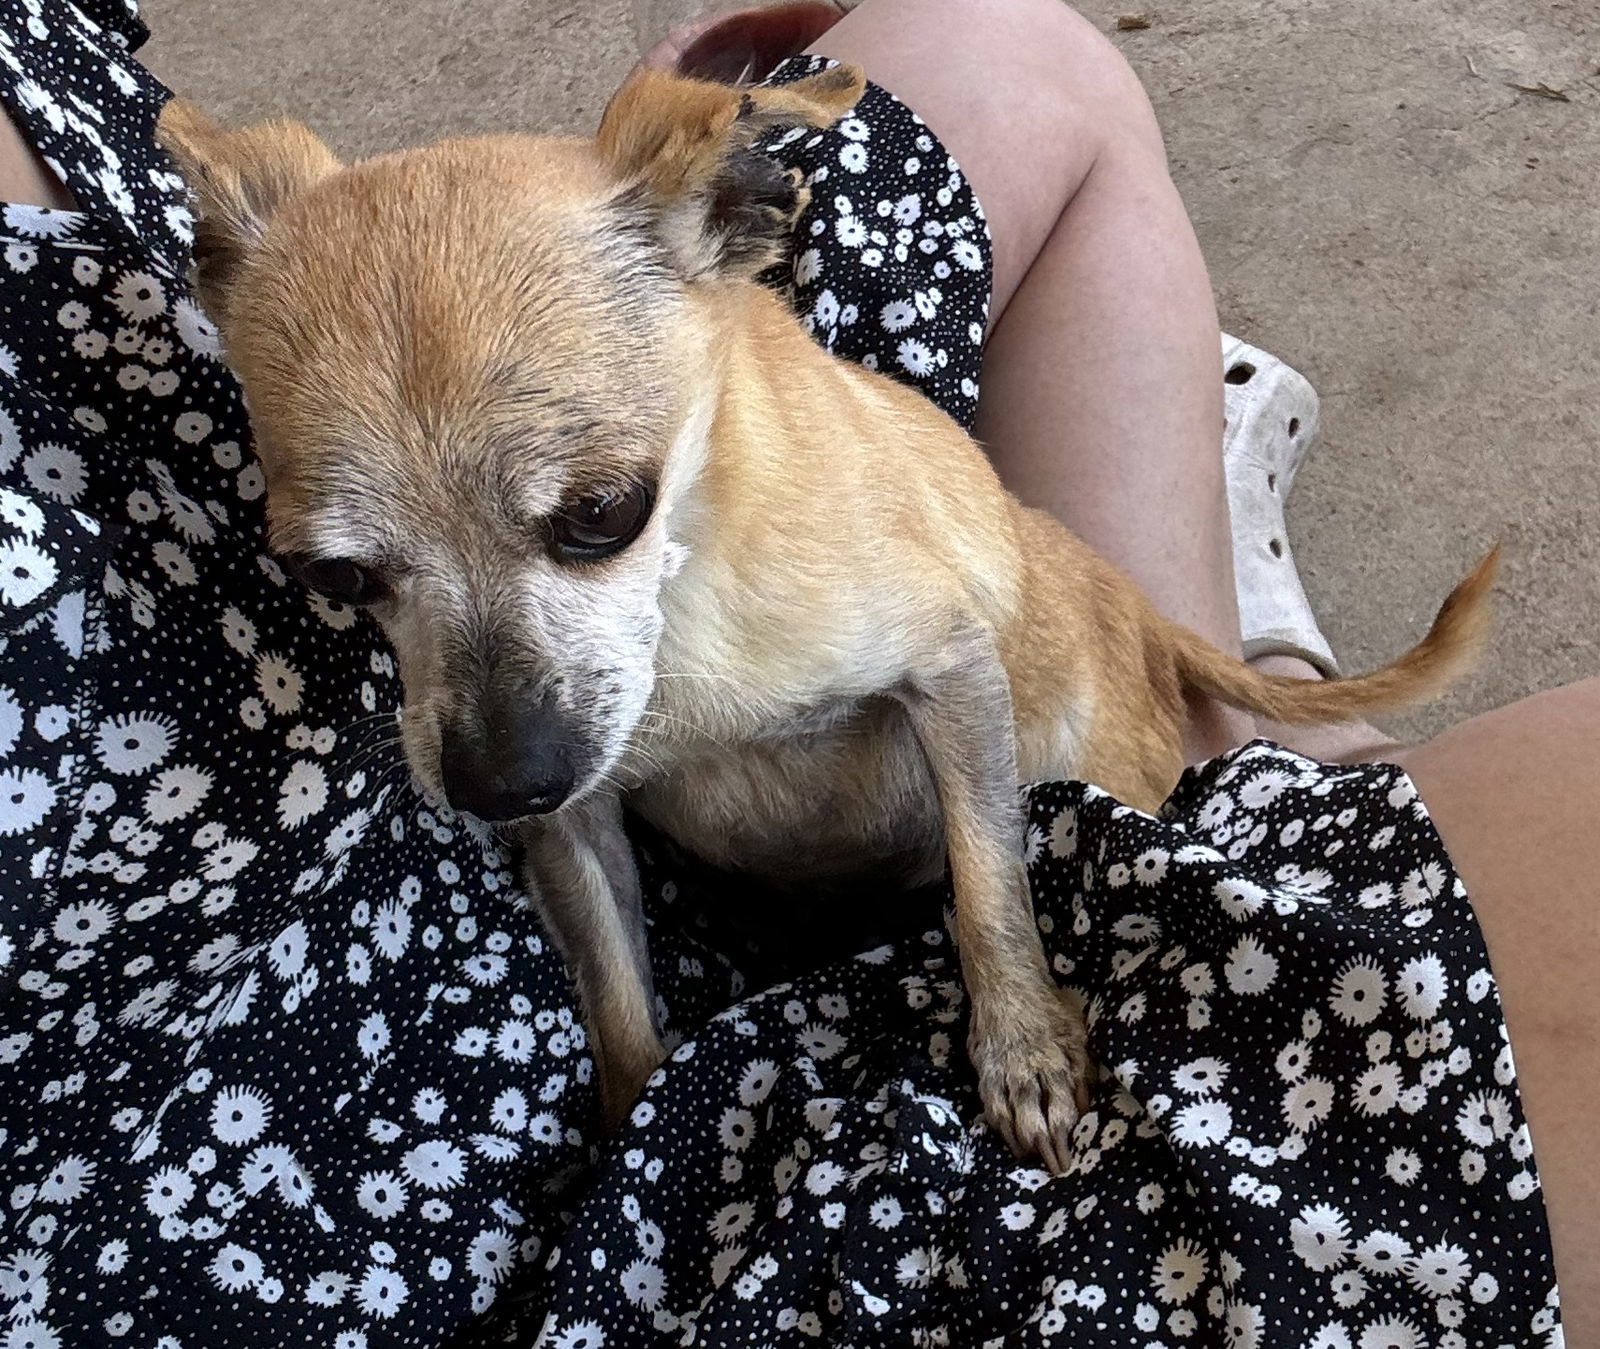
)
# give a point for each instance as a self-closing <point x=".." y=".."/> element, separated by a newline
<point x="285" y="1057"/>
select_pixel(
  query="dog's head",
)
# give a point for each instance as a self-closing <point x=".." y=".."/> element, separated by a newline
<point x="481" y="376"/>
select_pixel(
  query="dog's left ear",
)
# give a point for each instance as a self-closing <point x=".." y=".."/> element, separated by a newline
<point x="686" y="151"/>
<point x="240" y="179"/>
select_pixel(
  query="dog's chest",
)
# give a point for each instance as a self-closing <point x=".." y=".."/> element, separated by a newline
<point x="843" y="792"/>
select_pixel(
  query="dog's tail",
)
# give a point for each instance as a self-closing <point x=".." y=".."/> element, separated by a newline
<point x="1427" y="670"/>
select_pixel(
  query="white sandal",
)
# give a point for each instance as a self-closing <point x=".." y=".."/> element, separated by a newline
<point x="1272" y="417"/>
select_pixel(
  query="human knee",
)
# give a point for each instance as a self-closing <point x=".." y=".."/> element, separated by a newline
<point x="1037" y="69"/>
<point x="1076" y="76"/>
<point x="1027" y="96"/>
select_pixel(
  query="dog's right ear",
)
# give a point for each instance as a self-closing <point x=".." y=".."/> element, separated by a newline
<point x="686" y="151"/>
<point x="239" y="180"/>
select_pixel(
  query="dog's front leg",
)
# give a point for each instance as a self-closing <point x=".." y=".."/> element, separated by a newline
<point x="581" y="872"/>
<point x="1025" y="1041"/>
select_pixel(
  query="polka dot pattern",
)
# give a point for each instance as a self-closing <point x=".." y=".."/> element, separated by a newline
<point x="892" y="261"/>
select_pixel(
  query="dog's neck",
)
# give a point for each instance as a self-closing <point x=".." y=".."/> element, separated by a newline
<point x="747" y="469"/>
<point x="752" y="428"/>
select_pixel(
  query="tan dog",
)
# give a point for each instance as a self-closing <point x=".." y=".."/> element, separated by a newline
<point x="633" y="533"/>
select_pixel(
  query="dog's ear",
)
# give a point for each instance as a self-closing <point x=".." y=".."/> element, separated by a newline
<point x="686" y="150"/>
<point x="239" y="179"/>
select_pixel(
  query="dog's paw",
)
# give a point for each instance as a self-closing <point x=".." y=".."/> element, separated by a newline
<point x="1033" y="1079"/>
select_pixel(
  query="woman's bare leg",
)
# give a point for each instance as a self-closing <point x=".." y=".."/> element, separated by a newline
<point x="1515" y="795"/>
<point x="1102" y="390"/>
<point x="23" y="176"/>
<point x="1352" y="742"/>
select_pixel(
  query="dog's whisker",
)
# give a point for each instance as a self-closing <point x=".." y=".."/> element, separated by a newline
<point x="366" y="725"/>
<point x="667" y="718"/>
<point x="383" y="714"/>
<point x="655" y="766"/>
<point x="609" y="778"/>
<point x="395" y="739"/>
<point x="696" y="674"/>
<point x="361" y="762"/>
<point x="367" y="753"/>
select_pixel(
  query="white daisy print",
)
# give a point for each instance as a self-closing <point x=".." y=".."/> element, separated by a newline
<point x="26" y="572"/>
<point x="1403" y="1166"/>
<point x="1320" y="1237"/>
<point x="1421" y="987"/>
<point x="381" y="1292"/>
<point x="1179" y="1272"/>
<point x="435" y="1165"/>
<point x="139" y="295"/>
<point x="898" y="315"/>
<point x="914" y="357"/>
<point x="240" y="1115"/>
<point x="304" y="794"/>
<point x="175" y="793"/>
<point x="1359" y="993"/>
<point x="1250" y="968"/>
<point x="382" y="1194"/>
<point x="131" y="745"/>
<point x="236" y="1268"/>
<point x="57" y="472"/>
<point x="279" y="683"/>
<point x="1202" y="1124"/>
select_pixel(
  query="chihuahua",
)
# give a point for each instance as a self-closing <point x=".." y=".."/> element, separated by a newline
<point x="636" y="537"/>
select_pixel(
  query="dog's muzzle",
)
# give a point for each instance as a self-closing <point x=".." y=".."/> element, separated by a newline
<point x="516" y="756"/>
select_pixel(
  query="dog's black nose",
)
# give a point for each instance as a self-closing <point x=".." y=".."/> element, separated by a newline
<point x="516" y="760"/>
<point x="497" y="796"/>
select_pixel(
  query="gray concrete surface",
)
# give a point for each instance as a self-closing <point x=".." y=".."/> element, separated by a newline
<point x="1378" y="205"/>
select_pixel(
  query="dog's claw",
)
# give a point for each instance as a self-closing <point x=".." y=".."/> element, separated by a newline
<point x="1033" y="1078"/>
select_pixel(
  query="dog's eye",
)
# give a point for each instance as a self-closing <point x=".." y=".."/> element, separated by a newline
<point x="597" y="526"/>
<point x="338" y="579"/>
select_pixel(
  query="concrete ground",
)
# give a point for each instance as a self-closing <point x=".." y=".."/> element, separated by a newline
<point x="1378" y="203"/>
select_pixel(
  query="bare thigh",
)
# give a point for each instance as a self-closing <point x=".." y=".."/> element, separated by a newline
<point x="1102" y="380"/>
<point x="23" y="175"/>
<point x="1049" y="72"/>
<point x="1516" y="797"/>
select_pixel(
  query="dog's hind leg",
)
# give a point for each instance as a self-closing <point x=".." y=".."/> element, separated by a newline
<point x="1025" y="1041"/>
<point x="580" y="870"/>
